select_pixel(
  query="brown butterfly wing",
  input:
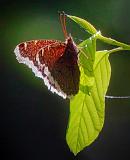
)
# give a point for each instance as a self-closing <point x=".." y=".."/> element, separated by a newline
<point x="49" y="54"/>
<point x="29" y="49"/>
<point x="61" y="69"/>
<point x="31" y="54"/>
<point x="48" y="60"/>
<point x="67" y="76"/>
<point x="27" y="53"/>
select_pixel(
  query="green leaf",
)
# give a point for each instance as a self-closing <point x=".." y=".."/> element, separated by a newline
<point x="84" y="24"/>
<point x="87" y="107"/>
<point x="102" y="70"/>
<point x="87" y="55"/>
<point x="91" y="29"/>
<point x="113" y="42"/>
<point x="86" y="58"/>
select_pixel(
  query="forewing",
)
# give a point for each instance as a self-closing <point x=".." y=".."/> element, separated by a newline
<point x="50" y="54"/>
<point x="29" y="49"/>
<point x="40" y="56"/>
<point x="47" y="57"/>
<point x="61" y="71"/>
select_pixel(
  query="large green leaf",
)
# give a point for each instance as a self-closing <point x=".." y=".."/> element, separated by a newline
<point x="87" y="108"/>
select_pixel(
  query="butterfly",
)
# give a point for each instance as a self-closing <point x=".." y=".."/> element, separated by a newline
<point x="54" y="61"/>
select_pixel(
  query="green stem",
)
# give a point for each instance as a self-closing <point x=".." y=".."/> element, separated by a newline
<point x="107" y="52"/>
<point x="115" y="50"/>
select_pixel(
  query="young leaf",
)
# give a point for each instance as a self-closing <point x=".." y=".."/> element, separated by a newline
<point x="87" y="110"/>
<point x="113" y="42"/>
<point x="84" y="24"/>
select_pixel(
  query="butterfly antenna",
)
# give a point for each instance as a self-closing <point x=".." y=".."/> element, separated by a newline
<point x="63" y="23"/>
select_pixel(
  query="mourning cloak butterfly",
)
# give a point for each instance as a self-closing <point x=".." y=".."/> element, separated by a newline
<point x="53" y="61"/>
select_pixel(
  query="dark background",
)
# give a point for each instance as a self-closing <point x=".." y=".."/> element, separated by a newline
<point x="33" y="121"/>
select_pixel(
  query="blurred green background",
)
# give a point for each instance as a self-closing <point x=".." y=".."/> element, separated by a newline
<point x="33" y="121"/>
